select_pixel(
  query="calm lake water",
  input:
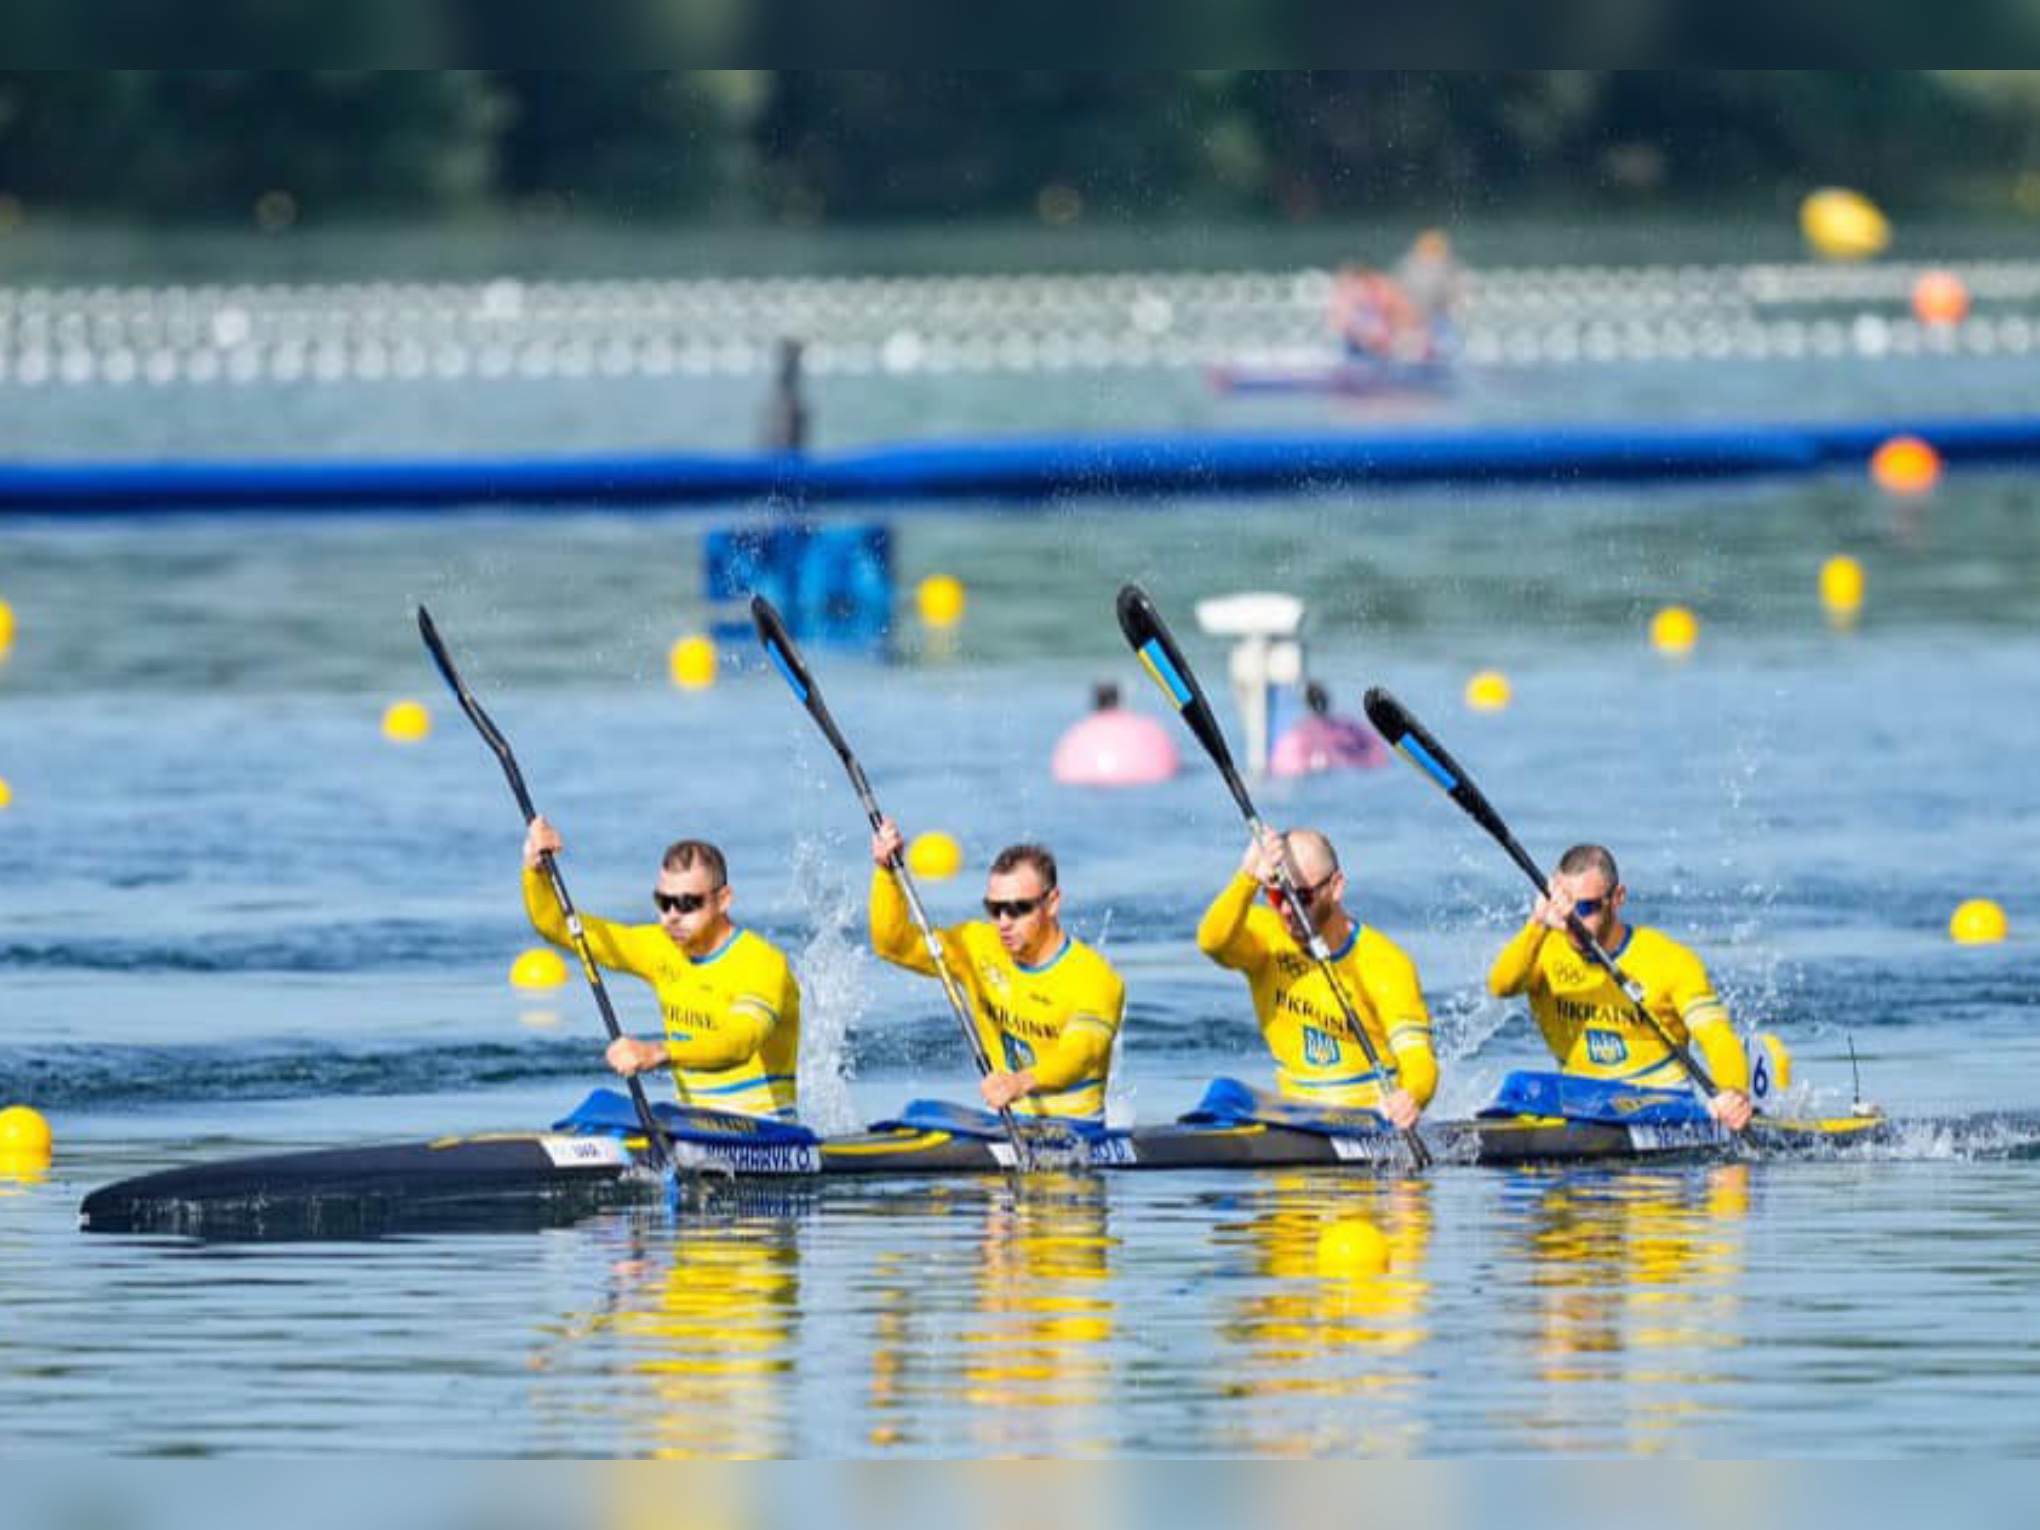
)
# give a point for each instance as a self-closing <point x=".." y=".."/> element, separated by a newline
<point x="234" y="919"/>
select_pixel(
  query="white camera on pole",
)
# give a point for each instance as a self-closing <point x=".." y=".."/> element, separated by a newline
<point x="1267" y="652"/>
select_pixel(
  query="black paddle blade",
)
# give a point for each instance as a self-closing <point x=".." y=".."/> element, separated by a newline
<point x="436" y="646"/>
<point x="484" y="724"/>
<point x="1413" y="741"/>
<point x="780" y="649"/>
<point x="1155" y="647"/>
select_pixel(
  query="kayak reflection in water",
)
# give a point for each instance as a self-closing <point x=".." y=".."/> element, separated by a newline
<point x="1588" y="1022"/>
<point x="729" y="997"/>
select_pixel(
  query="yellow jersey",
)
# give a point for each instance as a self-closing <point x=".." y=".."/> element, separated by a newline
<point x="1317" y="1056"/>
<point x="732" y="1017"/>
<point x="1592" y="1028"/>
<point x="1057" y="1019"/>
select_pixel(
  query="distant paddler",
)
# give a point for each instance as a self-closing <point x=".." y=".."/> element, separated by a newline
<point x="729" y="997"/>
<point x="1317" y="1057"/>
<point x="1590" y="1024"/>
<point x="1046" y="1006"/>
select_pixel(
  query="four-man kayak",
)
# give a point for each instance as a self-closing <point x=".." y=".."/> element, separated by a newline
<point x="597" y="1156"/>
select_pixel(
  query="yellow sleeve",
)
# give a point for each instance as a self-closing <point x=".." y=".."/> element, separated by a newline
<point x="736" y="1040"/>
<point x="1398" y="999"/>
<point x="893" y="935"/>
<point x="1513" y="969"/>
<point x="1706" y="1020"/>
<point x="610" y="944"/>
<point x="1224" y="934"/>
<point x="1084" y="1050"/>
<point x="757" y="997"/>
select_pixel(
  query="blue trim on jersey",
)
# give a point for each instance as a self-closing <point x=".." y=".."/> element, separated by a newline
<point x="1369" y="1077"/>
<point x="741" y="1085"/>
<point x="719" y="952"/>
<point x="1352" y="940"/>
<point x="1061" y="951"/>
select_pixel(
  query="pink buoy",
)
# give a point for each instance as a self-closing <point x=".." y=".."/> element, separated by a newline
<point x="1114" y="747"/>
<point x="1324" y="742"/>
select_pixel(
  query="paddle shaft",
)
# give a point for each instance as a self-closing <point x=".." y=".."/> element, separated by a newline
<point x="1431" y="758"/>
<point x="786" y="657"/>
<point x="1158" y="651"/>
<point x="500" y="746"/>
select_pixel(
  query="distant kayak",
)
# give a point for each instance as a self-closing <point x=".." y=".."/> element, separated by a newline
<point x="1349" y="376"/>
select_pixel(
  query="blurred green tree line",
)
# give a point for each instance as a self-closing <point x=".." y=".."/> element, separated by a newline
<point x="814" y="146"/>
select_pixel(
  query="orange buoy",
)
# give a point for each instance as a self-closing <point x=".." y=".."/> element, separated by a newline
<point x="1905" y="465"/>
<point x="1940" y="298"/>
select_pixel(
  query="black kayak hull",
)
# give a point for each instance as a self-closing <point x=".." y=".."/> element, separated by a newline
<point x="523" y="1180"/>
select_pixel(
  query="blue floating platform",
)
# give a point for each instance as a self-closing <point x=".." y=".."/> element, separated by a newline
<point x="1018" y="470"/>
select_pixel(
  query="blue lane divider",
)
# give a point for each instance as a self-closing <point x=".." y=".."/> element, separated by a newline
<point x="1019" y="469"/>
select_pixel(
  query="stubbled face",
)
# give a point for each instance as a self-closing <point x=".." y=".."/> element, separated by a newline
<point x="1024" y="935"/>
<point x="691" y="928"/>
<point x="1595" y="900"/>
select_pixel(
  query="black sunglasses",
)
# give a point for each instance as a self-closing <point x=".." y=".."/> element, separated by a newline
<point x="682" y="903"/>
<point x="1307" y="896"/>
<point x="1012" y="908"/>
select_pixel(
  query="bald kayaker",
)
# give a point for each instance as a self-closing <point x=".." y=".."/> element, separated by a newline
<point x="1317" y="1056"/>
<point x="1588" y="1022"/>
<point x="1046" y="1006"/>
<point x="729" y="997"/>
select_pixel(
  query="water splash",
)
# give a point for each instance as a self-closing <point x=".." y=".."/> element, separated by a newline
<point x="835" y="973"/>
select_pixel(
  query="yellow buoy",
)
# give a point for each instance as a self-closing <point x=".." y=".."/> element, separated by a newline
<point x="6" y="626"/>
<point x="1978" y="922"/>
<point x="6" y="793"/>
<point x="1674" y="631"/>
<point x="406" y="722"/>
<point x="1843" y="225"/>
<point x="1841" y="588"/>
<point x="934" y="855"/>
<point x="539" y="967"/>
<point x="1905" y="465"/>
<point x="1351" y="1246"/>
<point x="941" y="600"/>
<point x="24" y="1140"/>
<point x="1488" y="691"/>
<point x="692" y="663"/>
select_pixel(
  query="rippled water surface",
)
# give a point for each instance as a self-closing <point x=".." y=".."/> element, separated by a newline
<point x="233" y="919"/>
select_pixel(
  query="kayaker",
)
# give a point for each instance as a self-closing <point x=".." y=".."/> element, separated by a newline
<point x="1431" y="278"/>
<point x="1317" y="1057"/>
<point x="729" y="998"/>
<point x="1046" y="1005"/>
<point x="1587" y="1021"/>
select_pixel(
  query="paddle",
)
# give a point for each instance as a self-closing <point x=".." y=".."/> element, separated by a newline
<point x="786" y="658"/>
<point x="654" y="1139"/>
<point x="1410" y="739"/>
<point x="1164" y="661"/>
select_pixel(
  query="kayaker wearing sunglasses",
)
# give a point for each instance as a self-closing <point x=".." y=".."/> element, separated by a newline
<point x="1317" y="1058"/>
<point x="1589" y="1024"/>
<point x="1046" y="1005"/>
<point x="729" y="998"/>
